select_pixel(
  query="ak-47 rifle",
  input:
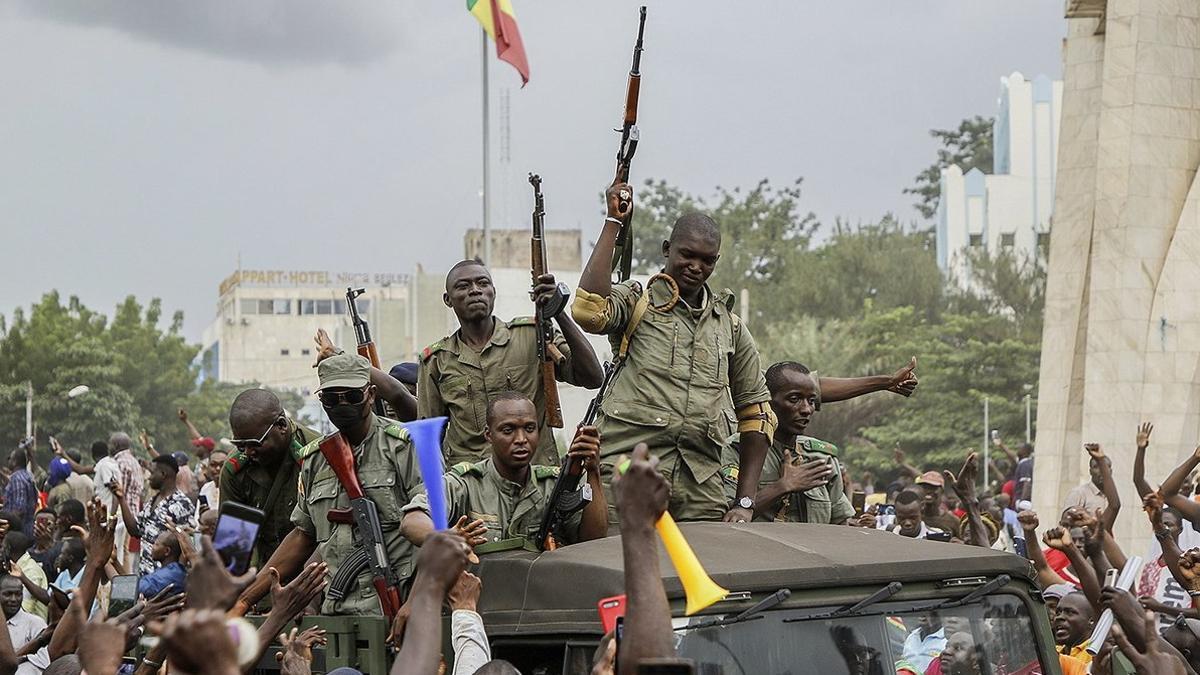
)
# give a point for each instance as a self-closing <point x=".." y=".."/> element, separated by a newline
<point x="362" y="335"/>
<point x="548" y="355"/>
<point x="568" y="496"/>
<point x="622" y="261"/>
<point x="364" y="516"/>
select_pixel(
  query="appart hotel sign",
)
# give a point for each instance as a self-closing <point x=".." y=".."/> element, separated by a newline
<point x="309" y="279"/>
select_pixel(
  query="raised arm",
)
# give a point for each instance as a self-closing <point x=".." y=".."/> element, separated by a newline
<point x="389" y="388"/>
<point x="1108" y="485"/>
<point x="641" y="494"/>
<point x="583" y="368"/>
<point x="902" y="382"/>
<point x="964" y="485"/>
<point x="1060" y="539"/>
<point x="192" y="433"/>
<point x="585" y="448"/>
<point x="144" y="437"/>
<point x="1170" y="489"/>
<point x="127" y="514"/>
<point x="901" y="461"/>
<point x="441" y="560"/>
<point x="1046" y="576"/>
<point x="597" y="272"/>
<point x="1139" y="460"/>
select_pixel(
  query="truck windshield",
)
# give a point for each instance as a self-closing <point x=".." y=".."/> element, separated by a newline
<point x="994" y="636"/>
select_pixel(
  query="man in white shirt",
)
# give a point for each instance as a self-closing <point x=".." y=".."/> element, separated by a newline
<point x="22" y="626"/>
<point x="1090" y="495"/>
<point x="910" y="518"/>
<point x="105" y="473"/>
<point x="924" y="644"/>
<point x="211" y="490"/>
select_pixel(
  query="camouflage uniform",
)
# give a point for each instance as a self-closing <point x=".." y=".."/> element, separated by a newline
<point x="691" y="374"/>
<point x="512" y="512"/>
<point x="249" y="483"/>
<point x="825" y="504"/>
<point x="456" y="381"/>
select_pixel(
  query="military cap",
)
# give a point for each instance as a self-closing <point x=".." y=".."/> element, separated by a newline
<point x="350" y="371"/>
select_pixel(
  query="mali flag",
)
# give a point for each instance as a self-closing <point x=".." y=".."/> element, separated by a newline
<point x="498" y="19"/>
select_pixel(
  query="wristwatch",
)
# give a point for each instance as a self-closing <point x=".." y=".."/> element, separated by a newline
<point x="745" y="503"/>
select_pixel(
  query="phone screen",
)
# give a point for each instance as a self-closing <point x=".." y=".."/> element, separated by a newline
<point x="237" y="531"/>
<point x="124" y="594"/>
<point x="859" y="501"/>
<point x="618" y="633"/>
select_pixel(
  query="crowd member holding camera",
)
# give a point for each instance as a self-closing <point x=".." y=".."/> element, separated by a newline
<point x="167" y="509"/>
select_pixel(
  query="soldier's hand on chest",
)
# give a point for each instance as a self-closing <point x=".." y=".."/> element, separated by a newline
<point x="802" y="474"/>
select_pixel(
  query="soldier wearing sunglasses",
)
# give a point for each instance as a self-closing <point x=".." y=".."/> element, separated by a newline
<point x="387" y="469"/>
<point x="265" y="469"/>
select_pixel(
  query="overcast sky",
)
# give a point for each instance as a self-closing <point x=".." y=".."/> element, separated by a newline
<point x="143" y="146"/>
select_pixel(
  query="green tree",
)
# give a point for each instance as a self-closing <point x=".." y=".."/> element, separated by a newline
<point x="969" y="146"/>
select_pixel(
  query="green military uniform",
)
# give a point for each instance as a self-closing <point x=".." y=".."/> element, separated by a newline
<point x="252" y="484"/>
<point x="457" y="381"/>
<point x="687" y="371"/>
<point x="387" y="469"/>
<point x="512" y="512"/>
<point x="825" y="504"/>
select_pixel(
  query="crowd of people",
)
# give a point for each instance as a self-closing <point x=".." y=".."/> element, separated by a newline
<point x="691" y="423"/>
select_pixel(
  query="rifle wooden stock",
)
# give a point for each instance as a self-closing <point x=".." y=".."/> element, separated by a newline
<point x="548" y="355"/>
<point x="340" y="456"/>
<point x="554" y="416"/>
<point x="369" y="352"/>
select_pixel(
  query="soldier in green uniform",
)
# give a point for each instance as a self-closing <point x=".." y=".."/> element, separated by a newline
<point x="264" y="469"/>
<point x="800" y="481"/>
<point x="460" y="373"/>
<point x="691" y="373"/>
<point x="387" y="469"/>
<point x="499" y="503"/>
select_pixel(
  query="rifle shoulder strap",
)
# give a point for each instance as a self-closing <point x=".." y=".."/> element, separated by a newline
<point x="639" y="312"/>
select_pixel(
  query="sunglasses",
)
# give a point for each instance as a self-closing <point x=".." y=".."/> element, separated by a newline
<point x="243" y="443"/>
<point x="330" y="399"/>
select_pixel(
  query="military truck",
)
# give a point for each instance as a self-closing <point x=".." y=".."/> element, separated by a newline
<point x="804" y="599"/>
<point x="829" y="599"/>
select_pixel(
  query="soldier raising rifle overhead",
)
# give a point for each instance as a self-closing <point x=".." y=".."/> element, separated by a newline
<point x="461" y="373"/>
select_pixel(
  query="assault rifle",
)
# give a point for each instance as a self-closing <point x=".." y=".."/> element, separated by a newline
<point x="548" y="355"/>
<point x="568" y="496"/>
<point x="622" y="261"/>
<point x="362" y="335"/>
<point x="364" y="517"/>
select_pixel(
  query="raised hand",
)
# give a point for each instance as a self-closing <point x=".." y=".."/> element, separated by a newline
<point x="619" y="195"/>
<point x="1152" y="504"/>
<point x="474" y="532"/>
<point x="904" y="381"/>
<point x="291" y="600"/>
<point x="163" y="604"/>
<point x="1058" y="539"/>
<point x="101" y="646"/>
<point x="1094" y="451"/>
<point x="465" y="593"/>
<point x="101" y="532"/>
<point x="964" y="482"/>
<point x="1143" y="435"/>
<point x="183" y="416"/>
<point x="296" y="655"/>
<point x="325" y="346"/>
<point x="1189" y="569"/>
<point x="641" y="491"/>
<point x="210" y="585"/>
<point x="1150" y="659"/>
<point x="898" y="455"/>
<point x="198" y="641"/>
<point x="1028" y="520"/>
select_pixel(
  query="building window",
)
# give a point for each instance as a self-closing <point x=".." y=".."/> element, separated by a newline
<point x="1043" y="241"/>
<point x="975" y="241"/>
<point x="284" y="352"/>
<point x="1008" y="240"/>
<point x="266" y="306"/>
<point x="305" y="352"/>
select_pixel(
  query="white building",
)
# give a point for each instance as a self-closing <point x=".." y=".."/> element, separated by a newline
<point x="266" y="319"/>
<point x="1010" y="208"/>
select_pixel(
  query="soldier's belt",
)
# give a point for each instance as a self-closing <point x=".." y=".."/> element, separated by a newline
<point x="510" y="544"/>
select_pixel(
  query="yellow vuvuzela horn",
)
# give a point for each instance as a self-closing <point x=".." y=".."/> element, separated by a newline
<point x="700" y="589"/>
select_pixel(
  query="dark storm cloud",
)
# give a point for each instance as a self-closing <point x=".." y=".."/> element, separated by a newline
<point x="284" y="32"/>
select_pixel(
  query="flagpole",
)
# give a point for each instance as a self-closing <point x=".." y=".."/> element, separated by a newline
<point x="487" y="233"/>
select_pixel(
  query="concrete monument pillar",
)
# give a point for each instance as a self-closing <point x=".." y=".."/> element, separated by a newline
<point x="1121" y="342"/>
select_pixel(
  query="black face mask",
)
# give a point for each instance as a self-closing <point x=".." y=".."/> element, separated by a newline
<point x="345" y="416"/>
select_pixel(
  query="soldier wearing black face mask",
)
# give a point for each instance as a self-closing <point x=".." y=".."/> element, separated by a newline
<point x="387" y="469"/>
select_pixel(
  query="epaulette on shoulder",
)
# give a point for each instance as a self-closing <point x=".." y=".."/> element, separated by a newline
<point x="725" y="297"/>
<point x="541" y="472"/>
<point x="817" y="445"/>
<point x="522" y="321"/>
<point x="308" y="450"/>
<point x="396" y="430"/>
<point x="464" y="468"/>
<point x="432" y="349"/>
<point x="236" y="462"/>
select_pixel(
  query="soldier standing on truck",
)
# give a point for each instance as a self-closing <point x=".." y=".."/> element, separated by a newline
<point x="460" y="373"/>
<point x="387" y="469"/>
